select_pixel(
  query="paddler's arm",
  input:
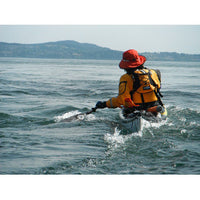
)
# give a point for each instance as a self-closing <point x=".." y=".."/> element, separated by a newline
<point x="125" y="86"/>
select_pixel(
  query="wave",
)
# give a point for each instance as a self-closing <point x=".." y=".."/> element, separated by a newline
<point x="66" y="115"/>
<point x="183" y="122"/>
<point x="184" y="114"/>
<point x="57" y="168"/>
<point x="176" y="93"/>
<point x="88" y="165"/>
<point x="117" y="140"/>
<point x="9" y="120"/>
<point x="33" y="92"/>
<point x="14" y="92"/>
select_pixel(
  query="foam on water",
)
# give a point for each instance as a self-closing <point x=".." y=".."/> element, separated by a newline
<point x="89" y="117"/>
<point x="116" y="140"/>
<point x="66" y="115"/>
<point x="147" y="124"/>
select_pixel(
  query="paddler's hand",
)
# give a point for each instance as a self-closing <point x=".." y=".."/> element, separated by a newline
<point x="101" y="104"/>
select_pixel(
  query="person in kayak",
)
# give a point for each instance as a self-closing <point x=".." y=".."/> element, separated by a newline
<point x="138" y="88"/>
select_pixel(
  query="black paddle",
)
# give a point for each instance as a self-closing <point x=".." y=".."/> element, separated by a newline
<point x="77" y="116"/>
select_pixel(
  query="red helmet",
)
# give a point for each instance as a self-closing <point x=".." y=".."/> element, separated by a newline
<point x="131" y="59"/>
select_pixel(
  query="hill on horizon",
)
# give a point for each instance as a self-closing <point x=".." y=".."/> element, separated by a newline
<point x="69" y="49"/>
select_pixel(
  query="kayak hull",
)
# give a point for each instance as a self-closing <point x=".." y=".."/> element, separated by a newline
<point x="132" y="124"/>
<point x="134" y="121"/>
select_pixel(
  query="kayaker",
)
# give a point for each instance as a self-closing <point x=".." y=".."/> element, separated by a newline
<point x="138" y="88"/>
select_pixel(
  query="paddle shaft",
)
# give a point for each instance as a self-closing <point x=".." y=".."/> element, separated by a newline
<point x="91" y="111"/>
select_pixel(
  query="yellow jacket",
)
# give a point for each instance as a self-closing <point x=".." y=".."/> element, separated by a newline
<point x="126" y="86"/>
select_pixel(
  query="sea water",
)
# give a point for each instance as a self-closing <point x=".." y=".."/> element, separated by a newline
<point x="36" y="95"/>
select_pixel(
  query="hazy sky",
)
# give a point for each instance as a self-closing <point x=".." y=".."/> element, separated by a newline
<point x="150" y="38"/>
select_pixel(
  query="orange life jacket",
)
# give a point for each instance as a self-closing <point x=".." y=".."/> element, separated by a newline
<point x="130" y="86"/>
<point x="146" y="84"/>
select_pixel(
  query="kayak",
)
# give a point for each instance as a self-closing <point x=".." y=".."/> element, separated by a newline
<point x="133" y="121"/>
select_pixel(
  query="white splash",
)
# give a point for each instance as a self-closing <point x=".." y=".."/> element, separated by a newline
<point x="193" y="123"/>
<point x="117" y="140"/>
<point x="147" y="124"/>
<point x="137" y="134"/>
<point x="183" y="131"/>
<point x="66" y="115"/>
<point x="89" y="117"/>
<point x="114" y="139"/>
<point x="183" y="119"/>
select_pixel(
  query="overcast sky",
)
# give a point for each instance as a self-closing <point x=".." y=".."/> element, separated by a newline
<point x="171" y="25"/>
<point x="150" y="38"/>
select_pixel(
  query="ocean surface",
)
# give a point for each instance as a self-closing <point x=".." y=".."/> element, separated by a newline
<point x="37" y="94"/>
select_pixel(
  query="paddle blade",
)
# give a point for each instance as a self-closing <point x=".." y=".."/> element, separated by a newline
<point x="80" y="116"/>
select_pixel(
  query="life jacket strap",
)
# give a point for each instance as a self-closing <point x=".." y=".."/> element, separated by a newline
<point x="159" y="93"/>
<point x="142" y="98"/>
<point x="158" y="97"/>
<point x="137" y="84"/>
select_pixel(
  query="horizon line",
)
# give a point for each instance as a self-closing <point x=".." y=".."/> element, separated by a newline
<point x="36" y="43"/>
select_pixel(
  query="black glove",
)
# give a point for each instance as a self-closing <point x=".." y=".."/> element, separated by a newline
<point x="101" y="104"/>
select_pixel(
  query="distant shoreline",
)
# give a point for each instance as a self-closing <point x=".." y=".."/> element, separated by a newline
<point x="70" y="49"/>
<point x="97" y="59"/>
